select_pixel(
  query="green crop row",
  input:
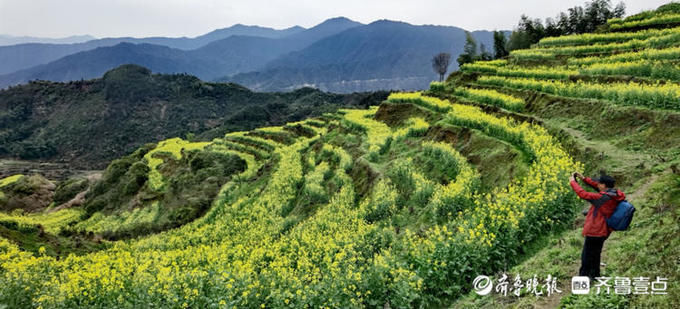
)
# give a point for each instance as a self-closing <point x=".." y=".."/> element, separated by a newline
<point x="542" y="54"/>
<point x="640" y="68"/>
<point x="490" y="97"/>
<point x="662" y="96"/>
<point x="672" y="53"/>
<point x="599" y="38"/>
<point x="533" y="72"/>
<point x="661" y="20"/>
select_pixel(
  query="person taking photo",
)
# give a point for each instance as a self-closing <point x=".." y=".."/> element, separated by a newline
<point x="595" y="229"/>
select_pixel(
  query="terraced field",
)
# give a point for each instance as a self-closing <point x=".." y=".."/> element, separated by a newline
<point x="402" y="204"/>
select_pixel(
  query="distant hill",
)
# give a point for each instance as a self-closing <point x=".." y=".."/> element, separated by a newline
<point x="238" y="54"/>
<point x="231" y="55"/>
<point x="6" y="40"/>
<point x="24" y="56"/>
<point x="88" y="123"/>
<point x="185" y="43"/>
<point x="338" y="55"/>
<point x="240" y="29"/>
<point x="323" y="30"/>
<point x="382" y="55"/>
<point x="94" y="63"/>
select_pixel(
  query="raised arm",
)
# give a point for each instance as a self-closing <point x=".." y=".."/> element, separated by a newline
<point x="591" y="182"/>
<point x="583" y="193"/>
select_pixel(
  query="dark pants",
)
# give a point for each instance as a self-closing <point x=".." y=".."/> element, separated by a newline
<point x="590" y="257"/>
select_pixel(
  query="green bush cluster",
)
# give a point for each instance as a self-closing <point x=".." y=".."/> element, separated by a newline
<point x="68" y="189"/>
<point x="192" y="182"/>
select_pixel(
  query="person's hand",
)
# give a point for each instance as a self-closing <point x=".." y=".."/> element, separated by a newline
<point x="579" y="175"/>
<point x="571" y="178"/>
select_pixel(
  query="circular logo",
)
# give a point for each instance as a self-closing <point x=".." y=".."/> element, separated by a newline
<point x="482" y="285"/>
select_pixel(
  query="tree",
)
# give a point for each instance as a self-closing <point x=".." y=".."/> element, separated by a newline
<point x="529" y="31"/>
<point x="597" y="13"/>
<point x="533" y="28"/>
<point x="620" y="10"/>
<point x="440" y="64"/>
<point x="484" y="55"/>
<point x="470" y="47"/>
<point x="564" y="24"/>
<point x="552" y="28"/>
<point x="469" y="50"/>
<point x="519" y="40"/>
<point x="591" y="17"/>
<point x="577" y="20"/>
<point x="499" y="44"/>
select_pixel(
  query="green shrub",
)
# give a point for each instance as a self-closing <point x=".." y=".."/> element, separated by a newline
<point x="117" y="169"/>
<point x="136" y="176"/>
<point x="68" y="189"/>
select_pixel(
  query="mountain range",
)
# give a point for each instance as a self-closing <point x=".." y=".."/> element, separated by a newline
<point x="23" y="56"/>
<point x="381" y="55"/>
<point x="338" y="55"/>
<point x="6" y="40"/>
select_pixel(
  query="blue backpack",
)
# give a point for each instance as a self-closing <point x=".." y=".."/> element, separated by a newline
<point x="622" y="216"/>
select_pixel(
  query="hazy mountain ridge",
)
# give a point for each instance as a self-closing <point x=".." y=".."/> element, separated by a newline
<point x="338" y="55"/>
<point x="234" y="54"/>
<point x="6" y="40"/>
<point x="396" y="52"/>
<point x="30" y="54"/>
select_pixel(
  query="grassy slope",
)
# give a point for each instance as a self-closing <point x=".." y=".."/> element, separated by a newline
<point x="650" y="248"/>
<point x="640" y="147"/>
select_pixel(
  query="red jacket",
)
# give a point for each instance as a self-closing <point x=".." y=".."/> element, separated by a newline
<point x="596" y="223"/>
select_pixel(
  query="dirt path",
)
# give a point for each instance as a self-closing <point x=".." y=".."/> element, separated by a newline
<point x="640" y="192"/>
<point x="606" y="148"/>
<point x="553" y="301"/>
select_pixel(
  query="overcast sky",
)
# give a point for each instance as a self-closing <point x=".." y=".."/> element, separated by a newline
<point x="139" y="18"/>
